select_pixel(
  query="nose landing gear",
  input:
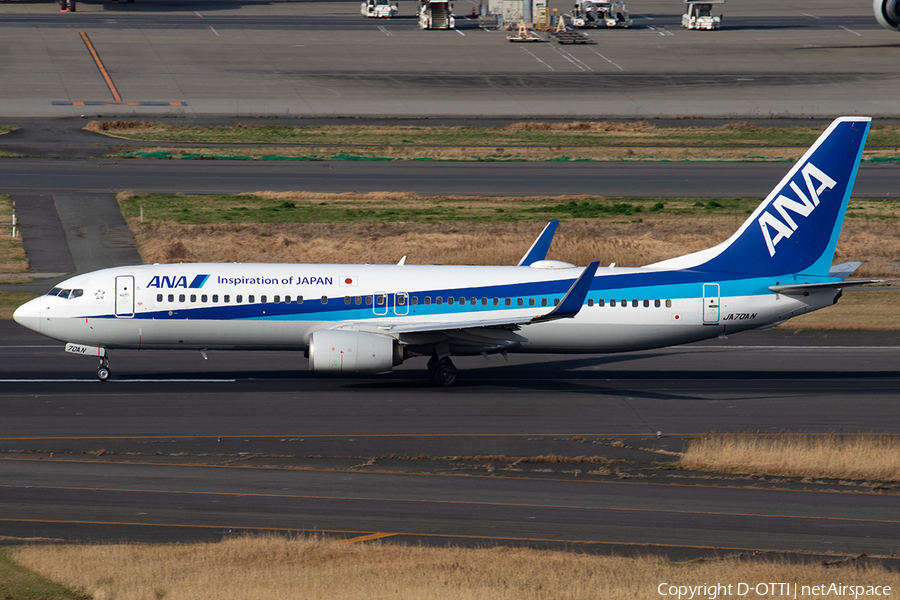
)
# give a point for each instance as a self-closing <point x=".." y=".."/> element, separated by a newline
<point x="103" y="371"/>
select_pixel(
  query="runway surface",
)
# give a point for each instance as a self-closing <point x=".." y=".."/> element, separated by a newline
<point x="176" y="448"/>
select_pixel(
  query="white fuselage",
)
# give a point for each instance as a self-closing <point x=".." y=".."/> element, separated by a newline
<point x="278" y="306"/>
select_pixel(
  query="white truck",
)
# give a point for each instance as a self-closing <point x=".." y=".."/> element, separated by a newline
<point x="381" y="9"/>
<point x="600" y="14"/>
<point x="436" y="14"/>
<point x="699" y="15"/>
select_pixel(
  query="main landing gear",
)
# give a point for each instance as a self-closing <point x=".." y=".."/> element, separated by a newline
<point x="103" y="371"/>
<point x="442" y="371"/>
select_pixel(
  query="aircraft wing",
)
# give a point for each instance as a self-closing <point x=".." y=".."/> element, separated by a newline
<point x="568" y="307"/>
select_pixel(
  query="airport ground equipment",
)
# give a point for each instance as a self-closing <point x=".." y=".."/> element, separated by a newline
<point x="600" y="14"/>
<point x="563" y="35"/>
<point x="381" y="9"/>
<point x="436" y="14"/>
<point x="699" y="15"/>
<point x="525" y="34"/>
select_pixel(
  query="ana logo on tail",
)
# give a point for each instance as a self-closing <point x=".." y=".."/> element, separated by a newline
<point x="786" y="226"/>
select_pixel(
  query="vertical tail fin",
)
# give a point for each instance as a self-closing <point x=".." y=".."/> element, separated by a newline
<point x="796" y="228"/>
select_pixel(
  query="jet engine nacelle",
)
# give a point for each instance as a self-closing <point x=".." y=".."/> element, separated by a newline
<point x="888" y="13"/>
<point x="352" y="351"/>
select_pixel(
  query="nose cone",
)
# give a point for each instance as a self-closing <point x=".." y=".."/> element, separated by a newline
<point x="29" y="314"/>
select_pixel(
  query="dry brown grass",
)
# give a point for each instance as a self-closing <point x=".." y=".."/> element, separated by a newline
<point x="273" y="568"/>
<point x="12" y="253"/>
<point x="833" y="456"/>
<point x="628" y="243"/>
<point x="499" y="151"/>
<point x="858" y="310"/>
<point x="423" y="243"/>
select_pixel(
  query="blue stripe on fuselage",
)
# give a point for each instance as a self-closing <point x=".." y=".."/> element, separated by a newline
<point x="625" y="286"/>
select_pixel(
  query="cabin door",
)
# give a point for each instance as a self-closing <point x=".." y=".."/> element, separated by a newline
<point x="125" y="296"/>
<point x="710" y="303"/>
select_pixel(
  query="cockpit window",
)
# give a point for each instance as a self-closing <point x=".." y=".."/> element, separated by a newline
<point x="70" y="294"/>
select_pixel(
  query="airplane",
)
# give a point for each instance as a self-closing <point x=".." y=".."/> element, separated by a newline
<point x="887" y="13"/>
<point x="367" y="319"/>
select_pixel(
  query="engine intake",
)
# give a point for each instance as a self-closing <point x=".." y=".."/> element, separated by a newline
<point x="888" y="13"/>
<point x="351" y="351"/>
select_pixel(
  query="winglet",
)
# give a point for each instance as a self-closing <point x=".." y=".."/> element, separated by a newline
<point x="541" y="245"/>
<point x="574" y="299"/>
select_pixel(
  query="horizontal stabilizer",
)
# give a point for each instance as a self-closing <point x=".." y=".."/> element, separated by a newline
<point x="843" y="270"/>
<point x="801" y="289"/>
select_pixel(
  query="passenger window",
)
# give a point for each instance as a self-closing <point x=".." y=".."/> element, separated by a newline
<point x="451" y="300"/>
<point x="521" y="302"/>
<point x="612" y="302"/>
<point x="427" y="300"/>
<point x="193" y="298"/>
<point x="473" y="301"/>
<point x="646" y="304"/>
<point x="181" y="297"/>
<point x="531" y="302"/>
<point x="277" y="299"/>
<point x="668" y="304"/>
<point x="590" y="301"/>
<point x="379" y="300"/>
<point x="262" y="299"/>
<point x="496" y="301"/>
<point x="204" y="298"/>
<point x="508" y="301"/>
<point x="358" y="300"/>
<point x="171" y="297"/>
<point x="287" y="299"/>
<point x="401" y="300"/>
<point x="657" y="303"/>
<point x="601" y="302"/>
<point x="414" y="300"/>
<point x="634" y="303"/>
<point x="159" y="297"/>
<point x="239" y="299"/>
<point x="215" y="298"/>
<point x="324" y="299"/>
<point x="462" y="301"/>
<point x="624" y="302"/>
<point x="227" y="299"/>
<point x="556" y="302"/>
<point x="299" y="299"/>
<point x="484" y="301"/>
<point x="439" y="300"/>
<point x="251" y="299"/>
<point x="347" y="300"/>
<point x="543" y="302"/>
<point x="368" y="300"/>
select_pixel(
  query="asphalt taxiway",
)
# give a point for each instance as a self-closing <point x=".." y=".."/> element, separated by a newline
<point x="178" y="448"/>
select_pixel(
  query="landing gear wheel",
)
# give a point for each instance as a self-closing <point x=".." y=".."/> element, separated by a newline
<point x="103" y="371"/>
<point x="444" y="373"/>
<point x="432" y="365"/>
